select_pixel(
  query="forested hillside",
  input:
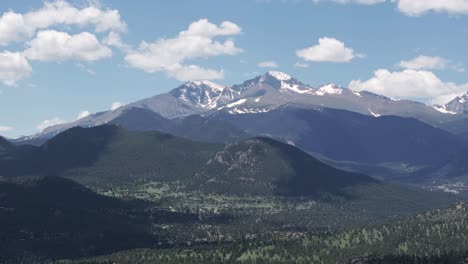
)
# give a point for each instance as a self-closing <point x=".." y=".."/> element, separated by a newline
<point x="439" y="236"/>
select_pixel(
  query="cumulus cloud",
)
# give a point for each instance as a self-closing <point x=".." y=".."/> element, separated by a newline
<point x="13" y="67"/>
<point x="363" y="2"/>
<point x="17" y="27"/>
<point x="429" y="63"/>
<point x="116" y="105"/>
<point x="328" y="50"/>
<point x="83" y="114"/>
<point x="5" y="128"/>
<point x="204" y="28"/>
<point x="51" y="45"/>
<point x="49" y="122"/>
<point x="420" y="7"/>
<point x="114" y="39"/>
<point x="169" y="55"/>
<point x="268" y="64"/>
<point x="410" y="84"/>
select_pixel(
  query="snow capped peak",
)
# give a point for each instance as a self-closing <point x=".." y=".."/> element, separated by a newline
<point x="462" y="98"/>
<point x="282" y="82"/>
<point x="206" y="83"/>
<point x="203" y="94"/>
<point x="459" y="105"/>
<point x="330" y="88"/>
<point x="280" y="76"/>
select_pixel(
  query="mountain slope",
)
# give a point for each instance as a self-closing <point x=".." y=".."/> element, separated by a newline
<point x="262" y="166"/>
<point x="452" y="171"/>
<point x="343" y="135"/>
<point x="108" y="154"/>
<point x="457" y="127"/>
<point x="193" y="127"/>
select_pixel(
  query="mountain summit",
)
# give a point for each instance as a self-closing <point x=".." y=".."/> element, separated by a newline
<point x="459" y="105"/>
<point x="203" y="94"/>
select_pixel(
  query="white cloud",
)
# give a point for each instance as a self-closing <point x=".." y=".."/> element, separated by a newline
<point x="363" y="2"/>
<point x="328" y="50"/>
<point x="204" y="28"/>
<point x="51" y="45"/>
<point x="17" y="27"/>
<point x="50" y="122"/>
<point x="6" y="128"/>
<point x="420" y="7"/>
<point x="115" y="40"/>
<point x="13" y="67"/>
<point x="410" y="84"/>
<point x="425" y="62"/>
<point x="83" y="114"/>
<point x="301" y="65"/>
<point x="116" y="105"/>
<point x="268" y="64"/>
<point x="169" y="55"/>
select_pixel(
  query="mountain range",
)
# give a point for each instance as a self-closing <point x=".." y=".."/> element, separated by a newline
<point x="366" y="132"/>
<point x="263" y="94"/>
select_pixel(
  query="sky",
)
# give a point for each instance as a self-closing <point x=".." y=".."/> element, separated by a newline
<point x="61" y="60"/>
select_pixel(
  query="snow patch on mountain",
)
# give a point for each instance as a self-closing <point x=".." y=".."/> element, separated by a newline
<point x="236" y="103"/>
<point x="329" y="89"/>
<point x="442" y="109"/>
<point x="294" y="87"/>
<point x="248" y="110"/>
<point x="374" y="114"/>
<point x="212" y="85"/>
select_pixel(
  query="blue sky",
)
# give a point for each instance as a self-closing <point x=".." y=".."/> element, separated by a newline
<point x="63" y="58"/>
